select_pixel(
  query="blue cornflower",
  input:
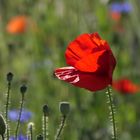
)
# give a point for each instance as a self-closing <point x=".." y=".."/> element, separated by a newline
<point x="14" y="114"/>
<point x="115" y="7"/>
<point x="121" y="7"/>
<point x="20" y="137"/>
<point x="126" y="7"/>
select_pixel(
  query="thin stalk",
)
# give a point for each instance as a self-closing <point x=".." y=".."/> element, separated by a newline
<point x="112" y="113"/>
<point x="2" y="137"/>
<point x="20" y="112"/>
<point x="31" y="131"/>
<point x="7" y="101"/>
<point x="61" y="127"/>
<point x="45" y="127"/>
<point x="30" y="134"/>
<point x="7" y="108"/>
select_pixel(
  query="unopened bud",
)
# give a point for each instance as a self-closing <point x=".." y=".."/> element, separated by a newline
<point x="46" y="110"/>
<point x="23" y="89"/>
<point x="2" y="125"/>
<point x="30" y="126"/>
<point x="64" y="108"/>
<point x="9" y="77"/>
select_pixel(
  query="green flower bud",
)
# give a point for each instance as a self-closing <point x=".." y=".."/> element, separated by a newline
<point x="2" y="125"/>
<point x="46" y="110"/>
<point x="23" y="89"/>
<point x="64" y="108"/>
<point x="30" y="126"/>
<point x="9" y="77"/>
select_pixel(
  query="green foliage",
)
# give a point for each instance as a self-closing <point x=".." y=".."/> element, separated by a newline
<point x="35" y="54"/>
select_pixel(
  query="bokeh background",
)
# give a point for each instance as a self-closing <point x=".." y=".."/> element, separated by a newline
<point x="33" y="55"/>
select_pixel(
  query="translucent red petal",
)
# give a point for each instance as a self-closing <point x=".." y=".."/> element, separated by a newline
<point x="90" y="81"/>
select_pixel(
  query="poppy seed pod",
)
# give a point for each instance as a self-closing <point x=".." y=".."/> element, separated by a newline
<point x="9" y="77"/>
<point x="23" y="89"/>
<point x="2" y="125"/>
<point x="64" y="108"/>
<point x="30" y="126"/>
<point x="46" y="110"/>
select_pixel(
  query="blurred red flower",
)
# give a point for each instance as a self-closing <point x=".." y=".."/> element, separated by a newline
<point x="116" y="16"/>
<point x="91" y="63"/>
<point x="17" y="25"/>
<point x="125" y="86"/>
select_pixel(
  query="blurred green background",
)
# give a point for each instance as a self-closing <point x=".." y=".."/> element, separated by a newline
<point x="33" y="55"/>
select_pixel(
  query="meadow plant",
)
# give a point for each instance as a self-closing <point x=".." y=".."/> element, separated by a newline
<point x="2" y="126"/>
<point x="9" y="80"/>
<point x="64" y="109"/>
<point x="22" y="115"/>
<point x="36" y="33"/>
<point x="91" y="65"/>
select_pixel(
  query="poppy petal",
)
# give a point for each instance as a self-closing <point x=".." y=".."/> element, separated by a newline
<point x="90" y="81"/>
<point x="125" y="86"/>
<point x="80" y="47"/>
<point x="17" y="25"/>
<point x="101" y="61"/>
<point x="84" y="45"/>
<point x="90" y="62"/>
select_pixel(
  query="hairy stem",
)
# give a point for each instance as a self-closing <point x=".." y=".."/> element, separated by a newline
<point x="61" y="127"/>
<point x="112" y="113"/>
<point x="20" y="112"/>
<point x="7" y="108"/>
<point x="2" y="137"/>
<point x="30" y="133"/>
<point x="45" y="127"/>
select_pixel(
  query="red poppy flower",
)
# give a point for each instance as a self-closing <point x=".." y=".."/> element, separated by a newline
<point x="125" y="86"/>
<point x="116" y="16"/>
<point x="17" y="25"/>
<point x="91" y="63"/>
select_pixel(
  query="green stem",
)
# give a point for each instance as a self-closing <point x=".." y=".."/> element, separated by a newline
<point x="112" y="114"/>
<point x="61" y="127"/>
<point x="31" y="133"/>
<point x="45" y="127"/>
<point x="7" y="108"/>
<point x="2" y="137"/>
<point x="20" y="112"/>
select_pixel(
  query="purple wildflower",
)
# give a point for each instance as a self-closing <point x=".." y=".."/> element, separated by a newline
<point x="116" y="7"/>
<point x="126" y="7"/>
<point x="20" y="137"/>
<point x="121" y="7"/>
<point x="14" y="114"/>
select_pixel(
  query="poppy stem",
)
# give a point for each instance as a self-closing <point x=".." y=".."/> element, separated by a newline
<point x="30" y="131"/>
<point x="2" y="137"/>
<point x="112" y="113"/>
<point x="7" y="108"/>
<point x="31" y="134"/>
<point x="61" y="127"/>
<point x="45" y="127"/>
<point x="9" y="80"/>
<point x="19" y="117"/>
